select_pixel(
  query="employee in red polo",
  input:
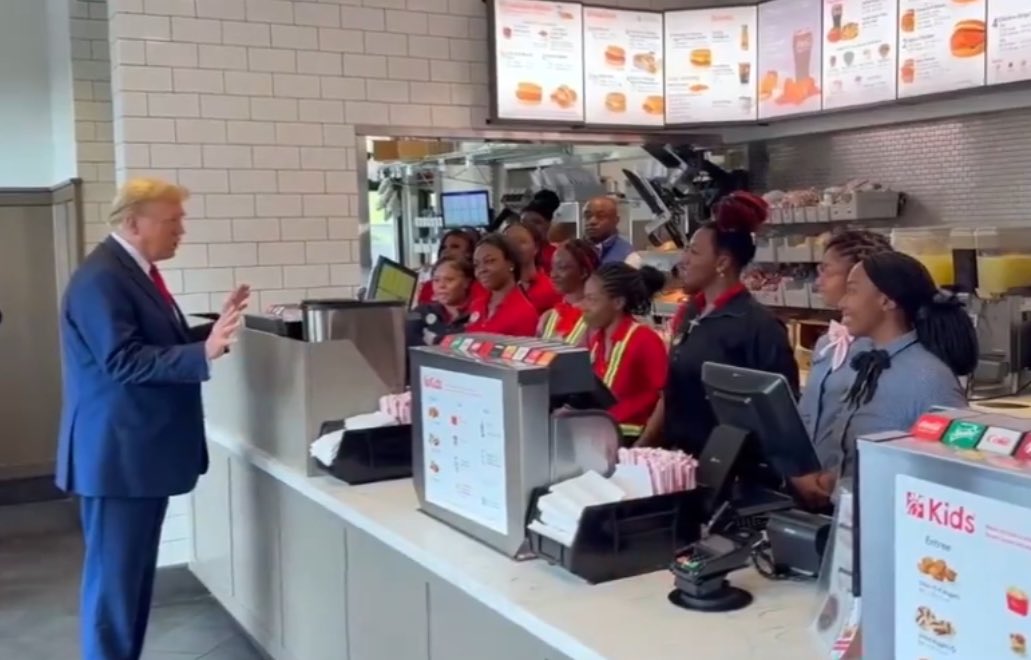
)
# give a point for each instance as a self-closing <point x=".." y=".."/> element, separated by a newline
<point x="630" y="358"/>
<point x="502" y="308"/>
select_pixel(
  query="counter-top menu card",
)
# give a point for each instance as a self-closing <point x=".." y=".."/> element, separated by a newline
<point x="859" y="58"/>
<point x="710" y="65"/>
<point x="789" y="57"/>
<point x="1009" y="41"/>
<point x="539" y="60"/>
<point x="961" y="582"/>
<point x="623" y="67"/>
<point x="941" y="45"/>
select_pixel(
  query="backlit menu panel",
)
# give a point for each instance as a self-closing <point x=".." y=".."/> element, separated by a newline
<point x="1009" y="41"/>
<point x="623" y="70"/>
<point x="941" y="45"/>
<point x="789" y="57"/>
<point x="711" y="65"/>
<point x="859" y="58"/>
<point x="538" y="60"/>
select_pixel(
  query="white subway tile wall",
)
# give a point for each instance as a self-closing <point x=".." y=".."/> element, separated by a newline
<point x="959" y="171"/>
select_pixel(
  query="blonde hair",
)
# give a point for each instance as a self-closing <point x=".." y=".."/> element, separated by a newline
<point x="136" y="192"/>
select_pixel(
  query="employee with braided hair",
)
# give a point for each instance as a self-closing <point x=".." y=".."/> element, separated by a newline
<point x="829" y="377"/>
<point x="923" y="341"/>
<point x="630" y="358"/>
<point x="575" y="261"/>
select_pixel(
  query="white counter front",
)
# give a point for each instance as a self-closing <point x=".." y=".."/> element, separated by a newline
<point x="282" y="551"/>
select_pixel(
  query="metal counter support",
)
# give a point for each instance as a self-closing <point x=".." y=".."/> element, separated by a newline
<point x="276" y="392"/>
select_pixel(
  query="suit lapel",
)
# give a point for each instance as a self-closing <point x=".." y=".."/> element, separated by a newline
<point x="143" y="281"/>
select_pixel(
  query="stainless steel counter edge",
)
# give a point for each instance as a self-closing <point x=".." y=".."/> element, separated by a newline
<point x="318" y="490"/>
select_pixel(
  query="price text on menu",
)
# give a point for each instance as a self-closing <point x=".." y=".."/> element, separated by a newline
<point x="463" y="439"/>
<point x="941" y="45"/>
<point x="539" y="60"/>
<point x="1009" y="41"/>
<point x="961" y="577"/>
<point x="623" y="67"/>
<point x="710" y="65"/>
<point x="859" y="58"/>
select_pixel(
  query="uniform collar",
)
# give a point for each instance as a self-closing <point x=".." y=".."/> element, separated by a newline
<point x="731" y="302"/>
<point x="620" y="332"/>
<point x="137" y="257"/>
<point x="896" y="345"/>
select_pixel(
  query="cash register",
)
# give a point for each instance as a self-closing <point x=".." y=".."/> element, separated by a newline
<point x="759" y="443"/>
<point x="491" y="422"/>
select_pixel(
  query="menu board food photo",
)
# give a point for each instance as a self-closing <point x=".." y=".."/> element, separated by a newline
<point x="711" y="65"/>
<point x="789" y="57"/>
<point x="859" y="58"/>
<point x="960" y="586"/>
<point x="538" y="52"/>
<point x="941" y="45"/>
<point x="1009" y="41"/>
<point x="623" y="67"/>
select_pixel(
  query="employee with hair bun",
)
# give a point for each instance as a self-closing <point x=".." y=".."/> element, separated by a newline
<point x="454" y="244"/>
<point x="502" y="308"/>
<point x="575" y="261"/>
<point x="720" y="323"/>
<point x="540" y="212"/>
<point x="630" y="358"/>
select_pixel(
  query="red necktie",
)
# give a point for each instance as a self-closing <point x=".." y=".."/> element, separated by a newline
<point x="162" y="288"/>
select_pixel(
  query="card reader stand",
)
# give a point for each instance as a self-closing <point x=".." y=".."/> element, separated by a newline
<point x="739" y="505"/>
<point x="700" y="573"/>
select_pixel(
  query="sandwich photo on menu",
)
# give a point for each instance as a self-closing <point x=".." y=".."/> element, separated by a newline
<point x="968" y="38"/>
<point x="615" y="56"/>
<point x="654" y="105"/>
<point x="529" y="93"/>
<point x="701" y="57"/>
<point x="615" y="102"/>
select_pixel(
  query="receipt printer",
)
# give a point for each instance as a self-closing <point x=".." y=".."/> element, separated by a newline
<point x="797" y="540"/>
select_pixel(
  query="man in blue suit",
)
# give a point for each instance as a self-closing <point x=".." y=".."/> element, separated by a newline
<point x="132" y="427"/>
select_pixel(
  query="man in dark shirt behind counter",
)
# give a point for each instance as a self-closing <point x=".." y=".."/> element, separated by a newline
<point x="601" y="224"/>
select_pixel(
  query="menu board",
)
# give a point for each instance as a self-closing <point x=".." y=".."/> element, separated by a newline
<point x="859" y="58"/>
<point x="463" y="439"/>
<point x="710" y="65"/>
<point x="538" y="56"/>
<point x="623" y="67"/>
<point x="1009" y="41"/>
<point x="941" y="45"/>
<point x="789" y="57"/>
<point x="961" y="584"/>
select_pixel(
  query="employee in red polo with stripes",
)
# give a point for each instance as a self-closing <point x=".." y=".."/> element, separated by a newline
<point x="630" y="358"/>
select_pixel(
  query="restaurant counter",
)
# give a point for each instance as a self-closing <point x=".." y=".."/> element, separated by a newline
<point x="313" y="568"/>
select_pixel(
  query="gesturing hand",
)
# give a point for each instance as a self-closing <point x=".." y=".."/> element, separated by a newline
<point x="223" y="333"/>
<point x="238" y="298"/>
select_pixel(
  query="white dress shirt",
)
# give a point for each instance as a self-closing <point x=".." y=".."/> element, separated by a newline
<point x="140" y="260"/>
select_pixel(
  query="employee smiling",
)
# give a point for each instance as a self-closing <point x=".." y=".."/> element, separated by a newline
<point x="529" y="243"/>
<point x="923" y="340"/>
<point x="502" y="308"/>
<point x="574" y="263"/>
<point x="829" y="377"/>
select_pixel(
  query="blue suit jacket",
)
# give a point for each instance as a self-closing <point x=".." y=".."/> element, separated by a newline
<point x="132" y="423"/>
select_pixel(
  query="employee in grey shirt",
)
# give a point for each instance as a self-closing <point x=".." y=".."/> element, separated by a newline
<point x="829" y="376"/>
<point x="923" y="342"/>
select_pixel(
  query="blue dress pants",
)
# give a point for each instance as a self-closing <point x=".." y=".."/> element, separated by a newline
<point x="122" y="536"/>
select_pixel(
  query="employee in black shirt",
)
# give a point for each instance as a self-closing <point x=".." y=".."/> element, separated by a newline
<point x="721" y="323"/>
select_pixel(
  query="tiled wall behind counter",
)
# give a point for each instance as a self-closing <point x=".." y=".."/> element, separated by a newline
<point x="972" y="170"/>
